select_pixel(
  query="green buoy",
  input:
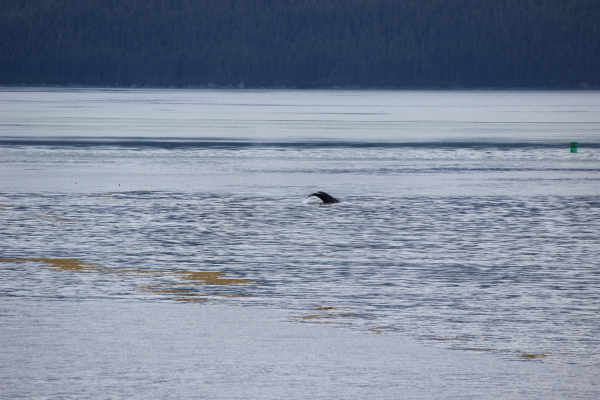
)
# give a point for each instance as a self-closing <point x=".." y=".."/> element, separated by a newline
<point x="574" y="146"/>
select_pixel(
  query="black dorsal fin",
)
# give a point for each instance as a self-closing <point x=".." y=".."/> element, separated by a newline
<point x="326" y="198"/>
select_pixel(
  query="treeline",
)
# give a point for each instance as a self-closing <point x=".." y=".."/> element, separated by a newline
<point x="301" y="43"/>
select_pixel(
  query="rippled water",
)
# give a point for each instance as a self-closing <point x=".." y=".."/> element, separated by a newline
<point x="465" y="222"/>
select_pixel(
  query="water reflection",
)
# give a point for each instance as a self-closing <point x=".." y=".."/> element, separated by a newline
<point x="508" y="275"/>
<point x="464" y="223"/>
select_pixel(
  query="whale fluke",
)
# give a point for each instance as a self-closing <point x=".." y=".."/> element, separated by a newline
<point x="326" y="198"/>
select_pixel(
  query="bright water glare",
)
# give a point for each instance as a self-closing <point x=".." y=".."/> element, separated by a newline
<point x="465" y="222"/>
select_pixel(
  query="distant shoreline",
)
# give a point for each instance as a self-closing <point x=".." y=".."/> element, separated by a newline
<point x="581" y="87"/>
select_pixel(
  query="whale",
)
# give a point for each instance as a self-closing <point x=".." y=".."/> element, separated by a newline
<point x="326" y="198"/>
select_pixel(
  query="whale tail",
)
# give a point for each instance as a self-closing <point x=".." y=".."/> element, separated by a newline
<point x="326" y="198"/>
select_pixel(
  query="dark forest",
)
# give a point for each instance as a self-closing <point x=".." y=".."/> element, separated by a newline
<point x="302" y="43"/>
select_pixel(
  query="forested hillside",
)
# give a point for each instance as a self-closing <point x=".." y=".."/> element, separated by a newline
<point x="301" y="43"/>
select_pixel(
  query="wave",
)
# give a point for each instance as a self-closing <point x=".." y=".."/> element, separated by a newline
<point x="219" y="143"/>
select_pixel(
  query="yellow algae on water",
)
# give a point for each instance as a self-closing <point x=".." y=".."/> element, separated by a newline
<point x="66" y="264"/>
<point x="210" y="278"/>
<point x="59" y="264"/>
<point x="183" y="277"/>
<point x="73" y="264"/>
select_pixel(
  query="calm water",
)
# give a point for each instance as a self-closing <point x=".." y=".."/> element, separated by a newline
<point x="465" y="222"/>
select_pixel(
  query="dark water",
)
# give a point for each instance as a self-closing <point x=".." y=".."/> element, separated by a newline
<point x="480" y="241"/>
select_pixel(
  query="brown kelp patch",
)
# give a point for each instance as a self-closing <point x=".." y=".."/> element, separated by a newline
<point x="213" y="278"/>
<point x="180" y="288"/>
<point x="528" y="355"/>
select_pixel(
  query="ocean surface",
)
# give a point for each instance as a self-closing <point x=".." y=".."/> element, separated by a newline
<point x="466" y="226"/>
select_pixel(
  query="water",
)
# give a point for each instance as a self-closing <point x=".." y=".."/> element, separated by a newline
<point x="465" y="223"/>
